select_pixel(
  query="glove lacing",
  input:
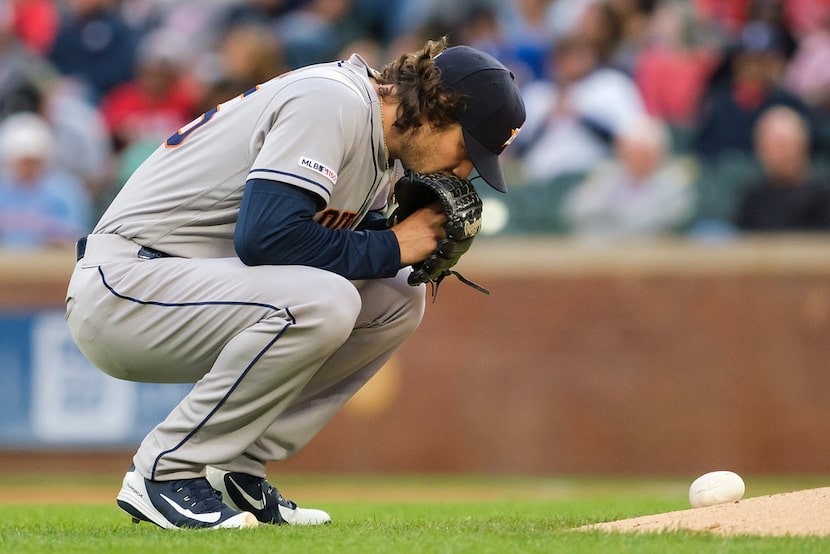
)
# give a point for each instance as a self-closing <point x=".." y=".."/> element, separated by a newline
<point x="434" y="283"/>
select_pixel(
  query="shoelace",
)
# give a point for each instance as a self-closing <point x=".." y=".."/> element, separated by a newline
<point x="198" y="492"/>
<point x="280" y="498"/>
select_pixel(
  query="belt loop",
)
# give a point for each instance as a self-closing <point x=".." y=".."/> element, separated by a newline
<point x="143" y="252"/>
<point x="80" y="248"/>
<point x="147" y="253"/>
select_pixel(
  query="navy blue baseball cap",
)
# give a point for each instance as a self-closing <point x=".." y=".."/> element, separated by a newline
<point x="492" y="111"/>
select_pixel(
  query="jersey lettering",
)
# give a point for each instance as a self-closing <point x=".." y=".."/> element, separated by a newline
<point x="181" y="135"/>
<point x="335" y="219"/>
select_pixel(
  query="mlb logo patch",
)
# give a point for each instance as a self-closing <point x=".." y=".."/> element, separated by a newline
<point x="316" y="166"/>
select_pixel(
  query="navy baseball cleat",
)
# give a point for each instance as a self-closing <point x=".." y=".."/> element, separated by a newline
<point x="184" y="503"/>
<point x="259" y="497"/>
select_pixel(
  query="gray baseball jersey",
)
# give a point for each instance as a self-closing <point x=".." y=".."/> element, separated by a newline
<point x="317" y="128"/>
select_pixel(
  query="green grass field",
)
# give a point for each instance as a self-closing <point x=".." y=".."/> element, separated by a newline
<point x="387" y="514"/>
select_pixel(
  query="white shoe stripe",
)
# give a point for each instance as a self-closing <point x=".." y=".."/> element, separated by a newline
<point x="211" y="517"/>
<point x="256" y="504"/>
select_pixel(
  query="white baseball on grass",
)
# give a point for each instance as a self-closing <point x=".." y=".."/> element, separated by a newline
<point x="716" y="487"/>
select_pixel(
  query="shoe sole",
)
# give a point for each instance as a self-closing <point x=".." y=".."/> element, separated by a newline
<point x="133" y="499"/>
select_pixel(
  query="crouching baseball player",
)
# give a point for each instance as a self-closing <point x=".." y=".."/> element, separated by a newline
<point x="251" y="254"/>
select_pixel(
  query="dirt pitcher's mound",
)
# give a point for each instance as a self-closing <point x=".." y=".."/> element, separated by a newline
<point x="798" y="513"/>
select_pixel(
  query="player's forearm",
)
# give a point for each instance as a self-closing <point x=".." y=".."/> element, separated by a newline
<point x="275" y="228"/>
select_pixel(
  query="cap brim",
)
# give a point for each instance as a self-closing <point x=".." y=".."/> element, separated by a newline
<point x="486" y="163"/>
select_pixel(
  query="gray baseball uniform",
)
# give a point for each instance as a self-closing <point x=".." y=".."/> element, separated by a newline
<point x="274" y="350"/>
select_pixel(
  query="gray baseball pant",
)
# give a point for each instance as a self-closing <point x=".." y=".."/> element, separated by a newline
<point x="274" y="351"/>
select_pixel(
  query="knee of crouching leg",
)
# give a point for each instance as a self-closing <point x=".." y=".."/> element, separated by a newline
<point x="416" y="314"/>
<point x="409" y="303"/>
<point x="340" y="305"/>
<point x="414" y="299"/>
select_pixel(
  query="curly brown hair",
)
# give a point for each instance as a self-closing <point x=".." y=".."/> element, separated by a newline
<point x="418" y="87"/>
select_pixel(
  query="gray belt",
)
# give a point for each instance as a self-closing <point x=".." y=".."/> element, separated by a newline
<point x="143" y="252"/>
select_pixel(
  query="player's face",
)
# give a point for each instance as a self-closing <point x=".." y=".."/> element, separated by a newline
<point x="431" y="150"/>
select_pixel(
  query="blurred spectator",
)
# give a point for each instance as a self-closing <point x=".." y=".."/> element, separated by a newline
<point x="21" y="71"/>
<point x="483" y="27"/>
<point x="40" y="205"/>
<point x="248" y="54"/>
<point x="803" y="15"/>
<point x="36" y="23"/>
<point x="789" y="197"/>
<point x="159" y="100"/>
<point x="29" y="84"/>
<point x="375" y="20"/>
<point x="774" y="14"/>
<point x="727" y="16"/>
<point x="733" y="104"/>
<point x="564" y="17"/>
<point x="411" y="15"/>
<point x="315" y="32"/>
<point x="95" y="45"/>
<point x="82" y="143"/>
<point x="571" y="120"/>
<point x="634" y="20"/>
<point x="260" y="12"/>
<point x="644" y="190"/>
<point x="672" y="70"/>
<point x="602" y="24"/>
<point x="808" y="73"/>
<point x="367" y="48"/>
<point x="526" y="36"/>
<point x="195" y="20"/>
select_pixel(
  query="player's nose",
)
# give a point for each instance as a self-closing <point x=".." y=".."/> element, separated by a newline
<point x="463" y="169"/>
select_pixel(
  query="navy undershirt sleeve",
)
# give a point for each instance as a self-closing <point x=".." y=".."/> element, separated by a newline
<point x="374" y="221"/>
<point x="275" y="227"/>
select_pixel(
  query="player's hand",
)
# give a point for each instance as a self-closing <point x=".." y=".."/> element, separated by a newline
<point x="418" y="234"/>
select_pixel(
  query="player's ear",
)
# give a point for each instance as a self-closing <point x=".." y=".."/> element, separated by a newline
<point x="388" y="92"/>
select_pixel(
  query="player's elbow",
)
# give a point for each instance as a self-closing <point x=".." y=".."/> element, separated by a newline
<point x="280" y="247"/>
<point x="250" y="251"/>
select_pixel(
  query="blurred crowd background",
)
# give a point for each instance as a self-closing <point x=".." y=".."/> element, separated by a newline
<point x="700" y="118"/>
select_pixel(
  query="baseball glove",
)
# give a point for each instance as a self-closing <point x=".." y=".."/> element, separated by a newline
<point x="463" y="207"/>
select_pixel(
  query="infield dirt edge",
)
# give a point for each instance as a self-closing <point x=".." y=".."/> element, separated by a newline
<point x="798" y="513"/>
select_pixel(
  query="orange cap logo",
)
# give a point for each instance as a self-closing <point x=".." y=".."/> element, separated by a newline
<point x="513" y="134"/>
